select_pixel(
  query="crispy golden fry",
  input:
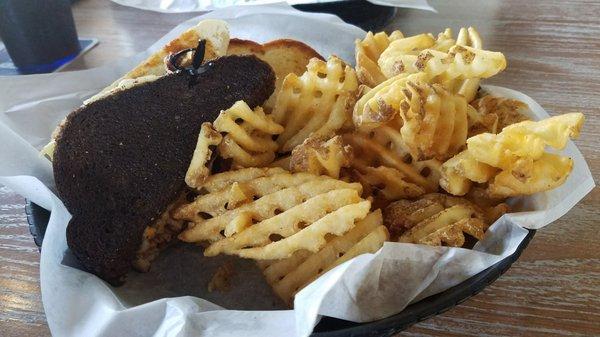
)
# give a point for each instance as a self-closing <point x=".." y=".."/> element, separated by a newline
<point x="283" y="162"/>
<point x="492" y="207"/>
<point x="273" y="216"/>
<point x="468" y="87"/>
<point x="199" y="167"/>
<point x="554" y="131"/>
<point x="286" y="223"/>
<point x="384" y="166"/>
<point x="367" y="53"/>
<point x="219" y="181"/>
<point x="435" y="121"/>
<point x="437" y="219"/>
<point x="251" y="201"/>
<point x="460" y="62"/>
<point x="216" y="203"/>
<point x="390" y="183"/>
<point x="248" y="135"/>
<point x="311" y="238"/>
<point x="514" y="161"/>
<point x="289" y="275"/>
<point x="492" y="114"/>
<point x="546" y="173"/>
<point x="381" y="104"/>
<point x="525" y="140"/>
<point x="317" y="103"/>
<point x="446" y="230"/>
<point x="456" y="64"/>
<point x="460" y="171"/>
<point x="319" y="156"/>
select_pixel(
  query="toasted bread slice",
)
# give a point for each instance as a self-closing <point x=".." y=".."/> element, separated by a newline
<point x="285" y="56"/>
<point x="121" y="160"/>
<point x="215" y="32"/>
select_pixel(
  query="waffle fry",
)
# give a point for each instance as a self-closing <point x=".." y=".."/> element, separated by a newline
<point x="259" y="237"/>
<point x="368" y="51"/>
<point x="319" y="156"/>
<point x="386" y="183"/>
<point x="382" y="103"/>
<point x="468" y="37"/>
<point x="435" y="121"/>
<point x="460" y="62"/>
<point x="495" y="113"/>
<point x="380" y="57"/>
<point x="288" y="276"/>
<point x="384" y="147"/>
<point x="436" y="219"/>
<point x="248" y="136"/>
<point x="199" y="167"/>
<point x="514" y="162"/>
<point x="317" y="103"/>
<point x="460" y="171"/>
<point x="254" y="200"/>
<point x="219" y="181"/>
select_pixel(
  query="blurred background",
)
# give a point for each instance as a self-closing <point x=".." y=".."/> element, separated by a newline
<point x="41" y="36"/>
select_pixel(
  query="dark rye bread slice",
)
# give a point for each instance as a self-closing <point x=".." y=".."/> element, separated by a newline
<point x="121" y="160"/>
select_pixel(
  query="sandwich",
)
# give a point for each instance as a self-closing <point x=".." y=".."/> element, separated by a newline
<point x="120" y="159"/>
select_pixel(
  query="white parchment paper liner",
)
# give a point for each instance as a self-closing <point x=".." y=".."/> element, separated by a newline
<point x="369" y="287"/>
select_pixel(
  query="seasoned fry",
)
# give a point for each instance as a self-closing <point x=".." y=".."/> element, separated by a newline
<point x="435" y="121"/>
<point x="318" y="103"/>
<point x="460" y="62"/>
<point x="438" y="219"/>
<point x="199" y="167"/>
<point x="319" y="156"/>
<point x="492" y="114"/>
<point x="468" y="87"/>
<point x="219" y="181"/>
<point x="368" y="51"/>
<point x="514" y="161"/>
<point x="382" y="103"/>
<point x="379" y="154"/>
<point x="248" y="135"/>
<point x="288" y="276"/>
<point x="546" y="173"/>
<point x="460" y="171"/>
<point x="390" y="183"/>
<point x="311" y="238"/>
<point x="272" y="216"/>
<point x="211" y="213"/>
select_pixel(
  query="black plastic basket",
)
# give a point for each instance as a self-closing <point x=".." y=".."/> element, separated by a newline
<point x="331" y="327"/>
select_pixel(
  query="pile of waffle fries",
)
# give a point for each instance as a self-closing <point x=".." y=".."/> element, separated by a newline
<point x="403" y="147"/>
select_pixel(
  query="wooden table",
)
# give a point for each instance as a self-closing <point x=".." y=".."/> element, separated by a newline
<point x="553" y="50"/>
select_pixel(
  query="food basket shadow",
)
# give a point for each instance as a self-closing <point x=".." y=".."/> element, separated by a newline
<point x="37" y="217"/>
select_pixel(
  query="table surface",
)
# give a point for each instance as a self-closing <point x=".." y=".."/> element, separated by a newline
<point x="553" y="50"/>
